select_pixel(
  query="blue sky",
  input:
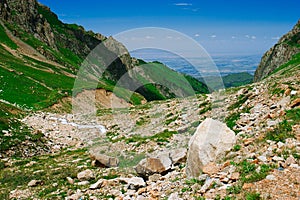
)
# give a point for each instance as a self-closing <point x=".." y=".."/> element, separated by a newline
<point x="221" y="27"/>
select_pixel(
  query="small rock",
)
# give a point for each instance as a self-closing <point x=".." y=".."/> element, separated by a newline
<point x="178" y="156"/>
<point x="83" y="183"/>
<point x="142" y="190"/>
<point x="273" y="107"/>
<point x="77" y="196"/>
<point x="206" y="185"/>
<point x="295" y="103"/>
<point x="293" y="93"/>
<point x="211" y="168"/>
<point x="276" y="158"/>
<point x="262" y="158"/>
<point x="248" y="141"/>
<point x="271" y="178"/>
<point x="280" y="145"/>
<point x="174" y="196"/>
<point x="34" y="183"/>
<point x="136" y="182"/>
<point x="235" y="176"/>
<point x="154" y="177"/>
<point x="86" y="175"/>
<point x="96" y="185"/>
<point x="203" y="177"/>
<point x="102" y="160"/>
<point x="70" y="180"/>
<point x="290" y="160"/>
<point x="296" y="166"/>
<point x="150" y="166"/>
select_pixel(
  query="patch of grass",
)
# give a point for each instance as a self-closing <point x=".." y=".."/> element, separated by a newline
<point x="237" y="147"/>
<point x="235" y="189"/>
<point x="194" y="181"/>
<point x="282" y="131"/>
<point x="207" y="108"/>
<point x="293" y="116"/>
<point x="49" y="170"/>
<point x="170" y="120"/>
<point x="249" y="174"/>
<point x="241" y="100"/>
<point x="252" y="196"/>
<point x="130" y="162"/>
<point x="141" y="121"/>
<point x="159" y="137"/>
<point x="5" y="39"/>
<point x="111" y="176"/>
<point x="231" y="120"/>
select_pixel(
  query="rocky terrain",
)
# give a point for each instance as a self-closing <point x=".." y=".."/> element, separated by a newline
<point x="239" y="143"/>
<point x="143" y="152"/>
<point x="286" y="48"/>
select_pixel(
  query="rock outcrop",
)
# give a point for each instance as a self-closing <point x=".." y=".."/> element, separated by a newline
<point x="209" y="144"/>
<point x="280" y="54"/>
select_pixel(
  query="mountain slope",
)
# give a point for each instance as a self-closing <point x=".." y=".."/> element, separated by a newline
<point x="37" y="48"/>
<point x="286" y="48"/>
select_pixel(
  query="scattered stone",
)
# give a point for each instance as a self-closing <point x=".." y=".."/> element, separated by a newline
<point x="273" y="107"/>
<point x="276" y="158"/>
<point x="136" y="183"/>
<point x="154" y="177"/>
<point x="174" y="196"/>
<point x="142" y="190"/>
<point x="262" y="159"/>
<point x="211" y="168"/>
<point x="293" y="93"/>
<point x="235" y="176"/>
<point x="290" y="160"/>
<point x="280" y="145"/>
<point x="210" y="142"/>
<point x="150" y="166"/>
<point x="86" y="175"/>
<point x="96" y="185"/>
<point x="77" y="196"/>
<point x="34" y="183"/>
<point x="248" y="141"/>
<point x="271" y="178"/>
<point x="83" y="183"/>
<point x="178" y="156"/>
<point x="296" y="166"/>
<point x="70" y="180"/>
<point x="20" y="194"/>
<point x="206" y="185"/>
<point x="102" y="160"/>
<point x="295" y="103"/>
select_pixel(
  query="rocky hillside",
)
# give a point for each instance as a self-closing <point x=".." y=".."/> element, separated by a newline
<point x="37" y="48"/>
<point x="247" y="143"/>
<point x="287" y="48"/>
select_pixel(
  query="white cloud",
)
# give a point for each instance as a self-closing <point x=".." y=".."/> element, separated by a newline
<point x="148" y="37"/>
<point x="183" y="4"/>
<point x="213" y="36"/>
<point x="233" y="37"/>
<point x="197" y="35"/>
<point x="169" y="37"/>
<point x="247" y="36"/>
<point x="253" y="37"/>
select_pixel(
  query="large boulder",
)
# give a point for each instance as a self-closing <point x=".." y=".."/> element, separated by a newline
<point x="101" y="160"/>
<point x="210" y="143"/>
<point x="150" y="166"/>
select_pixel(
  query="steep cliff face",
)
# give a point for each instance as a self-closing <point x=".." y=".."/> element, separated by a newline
<point x="281" y="53"/>
<point x="25" y="17"/>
